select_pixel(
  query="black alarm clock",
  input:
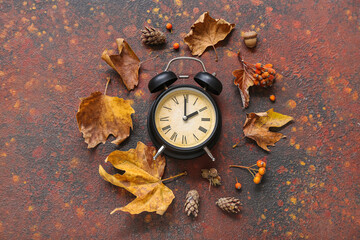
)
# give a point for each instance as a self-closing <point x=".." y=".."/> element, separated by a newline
<point x="184" y="122"/>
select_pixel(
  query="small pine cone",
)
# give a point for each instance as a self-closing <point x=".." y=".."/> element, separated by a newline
<point x="213" y="172"/>
<point x="152" y="36"/>
<point x="229" y="204"/>
<point x="192" y="203"/>
<point x="205" y="173"/>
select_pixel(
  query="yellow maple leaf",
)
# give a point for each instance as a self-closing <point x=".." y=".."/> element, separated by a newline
<point x="142" y="178"/>
<point x="100" y="115"/>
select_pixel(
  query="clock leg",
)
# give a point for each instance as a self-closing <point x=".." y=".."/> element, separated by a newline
<point x="207" y="150"/>
<point x="161" y="149"/>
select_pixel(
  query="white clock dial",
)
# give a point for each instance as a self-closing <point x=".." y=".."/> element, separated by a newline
<point x="185" y="117"/>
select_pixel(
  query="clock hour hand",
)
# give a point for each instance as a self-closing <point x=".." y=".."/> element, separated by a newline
<point x="192" y="114"/>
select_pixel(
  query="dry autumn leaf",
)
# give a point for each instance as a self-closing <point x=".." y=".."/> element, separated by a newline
<point x="100" y="115"/>
<point x="206" y="32"/>
<point x="126" y="63"/>
<point x="243" y="80"/>
<point x="257" y="127"/>
<point x="142" y="178"/>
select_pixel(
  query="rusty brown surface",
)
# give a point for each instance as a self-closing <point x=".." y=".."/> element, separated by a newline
<point x="50" y="56"/>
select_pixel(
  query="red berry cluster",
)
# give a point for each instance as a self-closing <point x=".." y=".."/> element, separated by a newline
<point x="264" y="75"/>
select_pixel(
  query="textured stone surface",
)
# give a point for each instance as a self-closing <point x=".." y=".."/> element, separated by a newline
<point x="50" y="56"/>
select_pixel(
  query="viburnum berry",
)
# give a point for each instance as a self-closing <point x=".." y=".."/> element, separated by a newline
<point x="272" y="98"/>
<point x="258" y="175"/>
<point x="265" y="74"/>
<point x="271" y="71"/>
<point x="176" y="46"/>
<point x="258" y="65"/>
<point x="257" y="180"/>
<point x="269" y="65"/>
<point x="238" y="185"/>
<point x="260" y="163"/>
<point x="168" y="26"/>
<point x="262" y="171"/>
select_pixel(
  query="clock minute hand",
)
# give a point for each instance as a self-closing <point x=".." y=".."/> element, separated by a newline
<point x="192" y="114"/>
<point x="185" y="101"/>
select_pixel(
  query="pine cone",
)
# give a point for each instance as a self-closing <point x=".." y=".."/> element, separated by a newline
<point x="229" y="204"/>
<point x="213" y="172"/>
<point x="192" y="203"/>
<point x="152" y="36"/>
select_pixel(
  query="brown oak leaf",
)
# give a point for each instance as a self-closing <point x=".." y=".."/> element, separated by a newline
<point x="126" y="63"/>
<point x="243" y="80"/>
<point x="100" y="115"/>
<point x="257" y="127"/>
<point x="142" y="178"/>
<point x="206" y="32"/>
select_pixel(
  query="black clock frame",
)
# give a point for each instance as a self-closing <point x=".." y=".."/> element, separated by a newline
<point x="174" y="151"/>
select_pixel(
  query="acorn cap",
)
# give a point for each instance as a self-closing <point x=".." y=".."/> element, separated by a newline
<point x="250" y="34"/>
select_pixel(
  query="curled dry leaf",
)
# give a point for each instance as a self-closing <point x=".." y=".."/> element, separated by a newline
<point x="206" y="32"/>
<point x="142" y="178"/>
<point x="257" y="127"/>
<point x="244" y="80"/>
<point x="126" y="63"/>
<point x="101" y="115"/>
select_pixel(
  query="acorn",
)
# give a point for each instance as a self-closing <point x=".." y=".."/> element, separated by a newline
<point x="250" y="39"/>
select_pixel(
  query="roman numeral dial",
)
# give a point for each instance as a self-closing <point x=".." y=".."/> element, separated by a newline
<point x="184" y="117"/>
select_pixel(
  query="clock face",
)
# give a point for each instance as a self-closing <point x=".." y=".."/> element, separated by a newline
<point x="185" y="117"/>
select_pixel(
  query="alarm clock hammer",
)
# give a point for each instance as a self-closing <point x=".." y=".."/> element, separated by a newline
<point x="184" y="121"/>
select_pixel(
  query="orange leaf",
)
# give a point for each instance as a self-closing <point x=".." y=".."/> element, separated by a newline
<point x="206" y="32"/>
<point x="142" y="178"/>
<point x="243" y="80"/>
<point x="101" y="115"/>
<point x="257" y="127"/>
<point x="127" y="64"/>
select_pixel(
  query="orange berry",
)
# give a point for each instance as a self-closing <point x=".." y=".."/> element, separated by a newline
<point x="272" y="98"/>
<point x="271" y="71"/>
<point x="257" y="71"/>
<point x="269" y="65"/>
<point x="265" y="74"/>
<point x="257" y="180"/>
<point x="258" y="65"/>
<point x="256" y="82"/>
<point x="238" y="185"/>
<point x="262" y="171"/>
<point x="168" y="26"/>
<point x="176" y="46"/>
<point x="258" y="175"/>
<point x="271" y="77"/>
<point x="263" y="82"/>
<point x="260" y="163"/>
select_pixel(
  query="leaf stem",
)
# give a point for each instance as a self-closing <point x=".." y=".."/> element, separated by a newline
<point x="216" y="55"/>
<point x="172" y="177"/>
<point x="107" y="84"/>
<point x="235" y="145"/>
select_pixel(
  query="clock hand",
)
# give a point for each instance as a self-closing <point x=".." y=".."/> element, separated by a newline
<point x="185" y="101"/>
<point x="192" y="114"/>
